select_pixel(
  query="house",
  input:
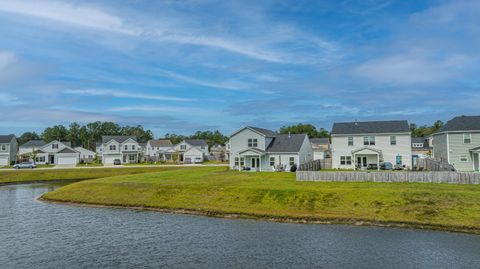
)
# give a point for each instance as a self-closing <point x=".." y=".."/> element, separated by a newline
<point x="259" y="149"/>
<point x="57" y="153"/>
<point x="123" y="148"/>
<point x="421" y="147"/>
<point x="8" y="149"/>
<point x="25" y="150"/>
<point x="358" y="145"/>
<point x="458" y="143"/>
<point x="219" y="153"/>
<point x="155" y="149"/>
<point x="321" y="148"/>
<point x="184" y="152"/>
<point x="86" y="156"/>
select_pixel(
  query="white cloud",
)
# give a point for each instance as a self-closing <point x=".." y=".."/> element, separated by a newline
<point x="196" y="81"/>
<point x="9" y="100"/>
<point x="123" y="94"/>
<point x="161" y="108"/>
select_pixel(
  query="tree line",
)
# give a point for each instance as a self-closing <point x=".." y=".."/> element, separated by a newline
<point x="89" y="134"/>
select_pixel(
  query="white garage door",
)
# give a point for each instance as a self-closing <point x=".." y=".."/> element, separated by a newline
<point x="109" y="160"/>
<point x="67" y="160"/>
<point x="3" y="161"/>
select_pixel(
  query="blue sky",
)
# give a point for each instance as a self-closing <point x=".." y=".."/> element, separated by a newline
<point x="180" y="66"/>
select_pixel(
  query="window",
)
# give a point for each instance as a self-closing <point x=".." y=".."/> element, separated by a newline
<point x="369" y="140"/>
<point x="132" y="157"/>
<point x="203" y="147"/>
<point x="350" y="140"/>
<point x="418" y="145"/>
<point x="40" y="159"/>
<point x="133" y="147"/>
<point x="4" y="147"/>
<point x="236" y="161"/>
<point x="393" y="140"/>
<point x="467" y="138"/>
<point x="242" y="161"/>
<point x="291" y="161"/>
<point x="252" y="143"/>
<point x="113" y="147"/>
<point x="126" y="147"/>
<point x="54" y="146"/>
<point x="464" y="158"/>
<point x="346" y="160"/>
<point x="272" y="161"/>
<point x="183" y="147"/>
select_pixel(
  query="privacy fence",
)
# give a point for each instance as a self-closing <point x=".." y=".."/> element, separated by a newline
<point x="403" y="176"/>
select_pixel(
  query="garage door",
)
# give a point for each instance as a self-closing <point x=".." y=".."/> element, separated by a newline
<point x="3" y="161"/>
<point x="67" y="160"/>
<point x="109" y="160"/>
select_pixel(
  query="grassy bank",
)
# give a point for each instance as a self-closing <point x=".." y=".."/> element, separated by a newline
<point x="216" y="191"/>
<point x="7" y="177"/>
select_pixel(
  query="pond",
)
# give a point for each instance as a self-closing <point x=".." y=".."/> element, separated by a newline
<point x="34" y="234"/>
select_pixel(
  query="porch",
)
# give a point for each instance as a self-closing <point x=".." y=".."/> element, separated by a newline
<point x="365" y="158"/>
<point x="251" y="159"/>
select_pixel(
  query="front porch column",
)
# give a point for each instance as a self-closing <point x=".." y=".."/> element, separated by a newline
<point x="378" y="162"/>
<point x="354" y="161"/>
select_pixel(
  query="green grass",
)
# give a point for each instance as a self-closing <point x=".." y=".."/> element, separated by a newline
<point x="218" y="191"/>
<point x="89" y="164"/>
<point x="71" y="174"/>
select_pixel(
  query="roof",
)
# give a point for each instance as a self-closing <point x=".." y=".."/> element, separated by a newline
<point x="6" y="138"/>
<point x="80" y="149"/>
<point x="160" y="143"/>
<point x="419" y="140"/>
<point x="67" y="150"/>
<point x="66" y="143"/>
<point x="34" y="143"/>
<point x="196" y="142"/>
<point x="371" y="127"/>
<point x="118" y="138"/>
<point x="320" y="140"/>
<point x="265" y="132"/>
<point x="461" y="123"/>
<point x="286" y="143"/>
<point x="475" y="149"/>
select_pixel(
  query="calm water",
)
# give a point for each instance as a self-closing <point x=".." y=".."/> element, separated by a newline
<point x="39" y="235"/>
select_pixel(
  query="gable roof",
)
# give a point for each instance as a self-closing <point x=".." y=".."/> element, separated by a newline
<point x="6" y="138"/>
<point x="265" y="132"/>
<point x="371" y="127"/>
<point x="67" y="150"/>
<point x="419" y="140"/>
<point x="118" y="138"/>
<point x="320" y="140"/>
<point x="81" y="149"/>
<point x="461" y="123"/>
<point x="160" y="143"/>
<point x="196" y="142"/>
<point x="283" y="143"/>
<point x="34" y="143"/>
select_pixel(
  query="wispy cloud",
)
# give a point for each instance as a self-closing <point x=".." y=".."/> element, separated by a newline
<point x="196" y="81"/>
<point x="161" y="108"/>
<point x="124" y="94"/>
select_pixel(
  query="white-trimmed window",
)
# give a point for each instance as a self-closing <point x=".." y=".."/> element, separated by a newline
<point x="40" y="159"/>
<point x="126" y="147"/>
<point x="350" y="140"/>
<point x="242" y="161"/>
<point x="272" y="161"/>
<point x="369" y="140"/>
<point x="237" y="161"/>
<point x="345" y="160"/>
<point x="183" y="147"/>
<point x="417" y="145"/>
<point x="132" y="157"/>
<point x="252" y="142"/>
<point x="113" y="147"/>
<point x="464" y="158"/>
<point x="291" y="161"/>
<point x="467" y="138"/>
<point x="54" y="146"/>
<point x="4" y="147"/>
<point x="133" y="147"/>
<point x="393" y="140"/>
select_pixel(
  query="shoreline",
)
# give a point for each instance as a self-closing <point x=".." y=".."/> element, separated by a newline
<point x="294" y="220"/>
<point x="42" y="181"/>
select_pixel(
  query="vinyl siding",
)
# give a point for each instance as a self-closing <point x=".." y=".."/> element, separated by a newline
<point x="458" y="148"/>
<point x="239" y="142"/>
<point x="440" y="147"/>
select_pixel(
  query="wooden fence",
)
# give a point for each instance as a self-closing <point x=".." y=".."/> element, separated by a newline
<point x="433" y="165"/>
<point x="403" y="176"/>
<point x="316" y="165"/>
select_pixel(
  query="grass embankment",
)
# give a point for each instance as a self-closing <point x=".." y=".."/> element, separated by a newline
<point x="215" y="191"/>
<point x="25" y="176"/>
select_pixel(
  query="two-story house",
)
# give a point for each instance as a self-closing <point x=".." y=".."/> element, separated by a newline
<point x="259" y="149"/>
<point x="123" y="148"/>
<point x="360" y="145"/>
<point x="26" y="150"/>
<point x="8" y="149"/>
<point x="57" y="153"/>
<point x="321" y="148"/>
<point x="458" y="143"/>
<point x="156" y="149"/>
<point x="189" y="151"/>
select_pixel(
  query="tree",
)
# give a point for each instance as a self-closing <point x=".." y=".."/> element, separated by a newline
<point x="27" y="136"/>
<point x="74" y="134"/>
<point x="57" y="132"/>
<point x="308" y="129"/>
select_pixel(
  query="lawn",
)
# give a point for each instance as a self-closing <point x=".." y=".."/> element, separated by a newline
<point x="217" y="191"/>
<point x="71" y="174"/>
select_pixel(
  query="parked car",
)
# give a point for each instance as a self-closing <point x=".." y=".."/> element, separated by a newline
<point x="386" y="166"/>
<point x="29" y="165"/>
<point x="117" y="162"/>
<point x="372" y="166"/>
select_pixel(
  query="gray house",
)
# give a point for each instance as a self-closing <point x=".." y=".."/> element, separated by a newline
<point x="264" y="150"/>
<point x="123" y="148"/>
<point x="458" y="143"/>
<point x="8" y="149"/>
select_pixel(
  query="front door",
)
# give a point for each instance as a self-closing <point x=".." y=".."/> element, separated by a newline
<point x="476" y="162"/>
<point x="52" y="159"/>
<point x="255" y="163"/>
<point x="361" y="162"/>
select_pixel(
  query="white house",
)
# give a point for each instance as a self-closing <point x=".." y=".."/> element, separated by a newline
<point x="258" y="149"/>
<point x="156" y="149"/>
<point x="86" y="156"/>
<point x="321" y="148"/>
<point x="25" y="150"/>
<point x="359" y="145"/>
<point x="57" y="153"/>
<point x="186" y="153"/>
<point x="8" y="149"/>
<point x="123" y="148"/>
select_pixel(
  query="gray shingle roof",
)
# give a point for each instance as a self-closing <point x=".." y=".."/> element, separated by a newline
<point x="6" y="138"/>
<point x="196" y="142"/>
<point x="320" y="140"/>
<point x="286" y="143"/>
<point x="461" y="123"/>
<point x="118" y="138"/>
<point x="265" y="132"/>
<point x="161" y="143"/>
<point x="67" y="150"/>
<point x="33" y="143"/>
<point x="371" y="127"/>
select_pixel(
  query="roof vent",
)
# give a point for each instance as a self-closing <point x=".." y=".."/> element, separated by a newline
<point x="356" y="123"/>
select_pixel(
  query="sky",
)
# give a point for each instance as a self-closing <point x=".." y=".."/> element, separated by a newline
<point x="177" y="66"/>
